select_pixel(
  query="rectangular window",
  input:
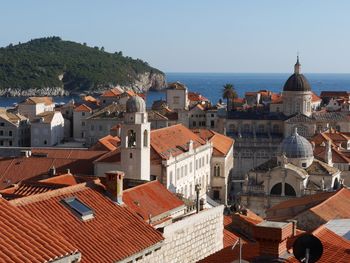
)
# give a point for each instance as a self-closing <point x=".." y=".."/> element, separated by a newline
<point x="1" y="133"/>
<point x="83" y="114"/>
<point x="194" y="124"/>
<point x="177" y="173"/>
<point x="10" y="133"/>
<point x="79" y="208"/>
<point x="92" y="127"/>
<point x="182" y="171"/>
<point x="100" y="128"/>
<point x="83" y="123"/>
<point x="186" y="170"/>
<point x="10" y="143"/>
<point x="212" y="124"/>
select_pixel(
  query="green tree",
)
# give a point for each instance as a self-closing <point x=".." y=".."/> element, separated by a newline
<point x="229" y="93"/>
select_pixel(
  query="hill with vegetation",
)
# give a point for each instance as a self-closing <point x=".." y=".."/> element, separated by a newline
<point x="51" y="65"/>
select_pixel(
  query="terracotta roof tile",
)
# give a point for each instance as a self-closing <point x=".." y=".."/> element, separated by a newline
<point x="107" y="143"/>
<point x="24" y="239"/>
<point x="194" y="96"/>
<point x="14" y="170"/>
<point x="112" y="93"/>
<point x="335" y="249"/>
<point x="173" y="140"/>
<point x="83" y="108"/>
<point x="151" y="199"/>
<point x="326" y="206"/>
<point x="114" y="233"/>
<point x="315" y="98"/>
<point x="36" y="100"/>
<point x="221" y="143"/>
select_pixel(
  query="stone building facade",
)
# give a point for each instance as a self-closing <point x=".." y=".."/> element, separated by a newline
<point x="191" y="239"/>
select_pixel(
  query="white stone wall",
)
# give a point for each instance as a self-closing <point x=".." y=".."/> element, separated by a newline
<point x="220" y="183"/>
<point x="297" y="102"/>
<point x="177" y="99"/>
<point x="191" y="239"/>
<point x="183" y="172"/>
<point x="80" y="125"/>
<point x="48" y="134"/>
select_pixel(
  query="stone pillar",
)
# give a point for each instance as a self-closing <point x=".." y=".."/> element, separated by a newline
<point x="283" y="183"/>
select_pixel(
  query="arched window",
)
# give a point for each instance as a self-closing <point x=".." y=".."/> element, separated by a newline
<point x="288" y="190"/>
<point x="216" y="170"/>
<point x="145" y="138"/>
<point x="131" y="139"/>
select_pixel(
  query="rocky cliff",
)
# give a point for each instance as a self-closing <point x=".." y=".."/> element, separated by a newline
<point x="51" y="66"/>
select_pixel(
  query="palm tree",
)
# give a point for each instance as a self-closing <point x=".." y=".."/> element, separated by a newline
<point x="229" y="93"/>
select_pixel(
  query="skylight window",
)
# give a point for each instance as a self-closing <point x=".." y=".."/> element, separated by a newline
<point x="79" y="208"/>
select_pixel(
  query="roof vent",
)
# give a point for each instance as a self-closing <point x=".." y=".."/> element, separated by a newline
<point x="79" y="208"/>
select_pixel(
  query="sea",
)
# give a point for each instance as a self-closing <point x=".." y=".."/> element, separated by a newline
<point x="211" y="85"/>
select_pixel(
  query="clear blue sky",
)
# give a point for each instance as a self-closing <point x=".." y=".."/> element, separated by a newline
<point x="195" y="35"/>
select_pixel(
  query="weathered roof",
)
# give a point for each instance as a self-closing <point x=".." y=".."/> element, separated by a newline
<point x="41" y="161"/>
<point x="173" y="141"/>
<point x="107" y="143"/>
<point x="32" y="187"/>
<point x="151" y="199"/>
<point x="177" y="85"/>
<point x="326" y="206"/>
<point x="112" y="111"/>
<point x="221" y="143"/>
<point x="37" y="100"/>
<point x="24" y="239"/>
<point x="334" y="94"/>
<point x="256" y="115"/>
<point x="156" y="116"/>
<point x="320" y="168"/>
<point x="114" y="233"/>
<point x="44" y="117"/>
<point x="83" y="108"/>
<point x="196" y="97"/>
<point x="11" y="117"/>
<point x="335" y="249"/>
<point x="115" y="92"/>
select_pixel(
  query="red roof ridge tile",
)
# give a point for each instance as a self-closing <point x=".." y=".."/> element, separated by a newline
<point x="338" y="192"/>
<point x="47" y="195"/>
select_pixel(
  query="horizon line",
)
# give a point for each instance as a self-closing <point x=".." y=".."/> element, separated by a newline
<point x="227" y="72"/>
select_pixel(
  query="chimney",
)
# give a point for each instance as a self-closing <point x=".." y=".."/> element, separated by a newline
<point x="113" y="181"/>
<point x="68" y="171"/>
<point x="272" y="237"/>
<point x="294" y="222"/>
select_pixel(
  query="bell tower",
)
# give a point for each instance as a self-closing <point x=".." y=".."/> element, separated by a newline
<point x="135" y="140"/>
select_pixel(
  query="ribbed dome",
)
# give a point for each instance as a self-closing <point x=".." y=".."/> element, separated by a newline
<point x="296" y="146"/>
<point x="135" y="104"/>
<point x="297" y="82"/>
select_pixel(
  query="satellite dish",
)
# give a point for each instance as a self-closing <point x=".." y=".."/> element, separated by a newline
<point x="307" y="248"/>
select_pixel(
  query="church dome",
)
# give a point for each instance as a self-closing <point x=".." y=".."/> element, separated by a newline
<point x="297" y="82"/>
<point x="296" y="146"/>
<point x="135" y="104"/>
